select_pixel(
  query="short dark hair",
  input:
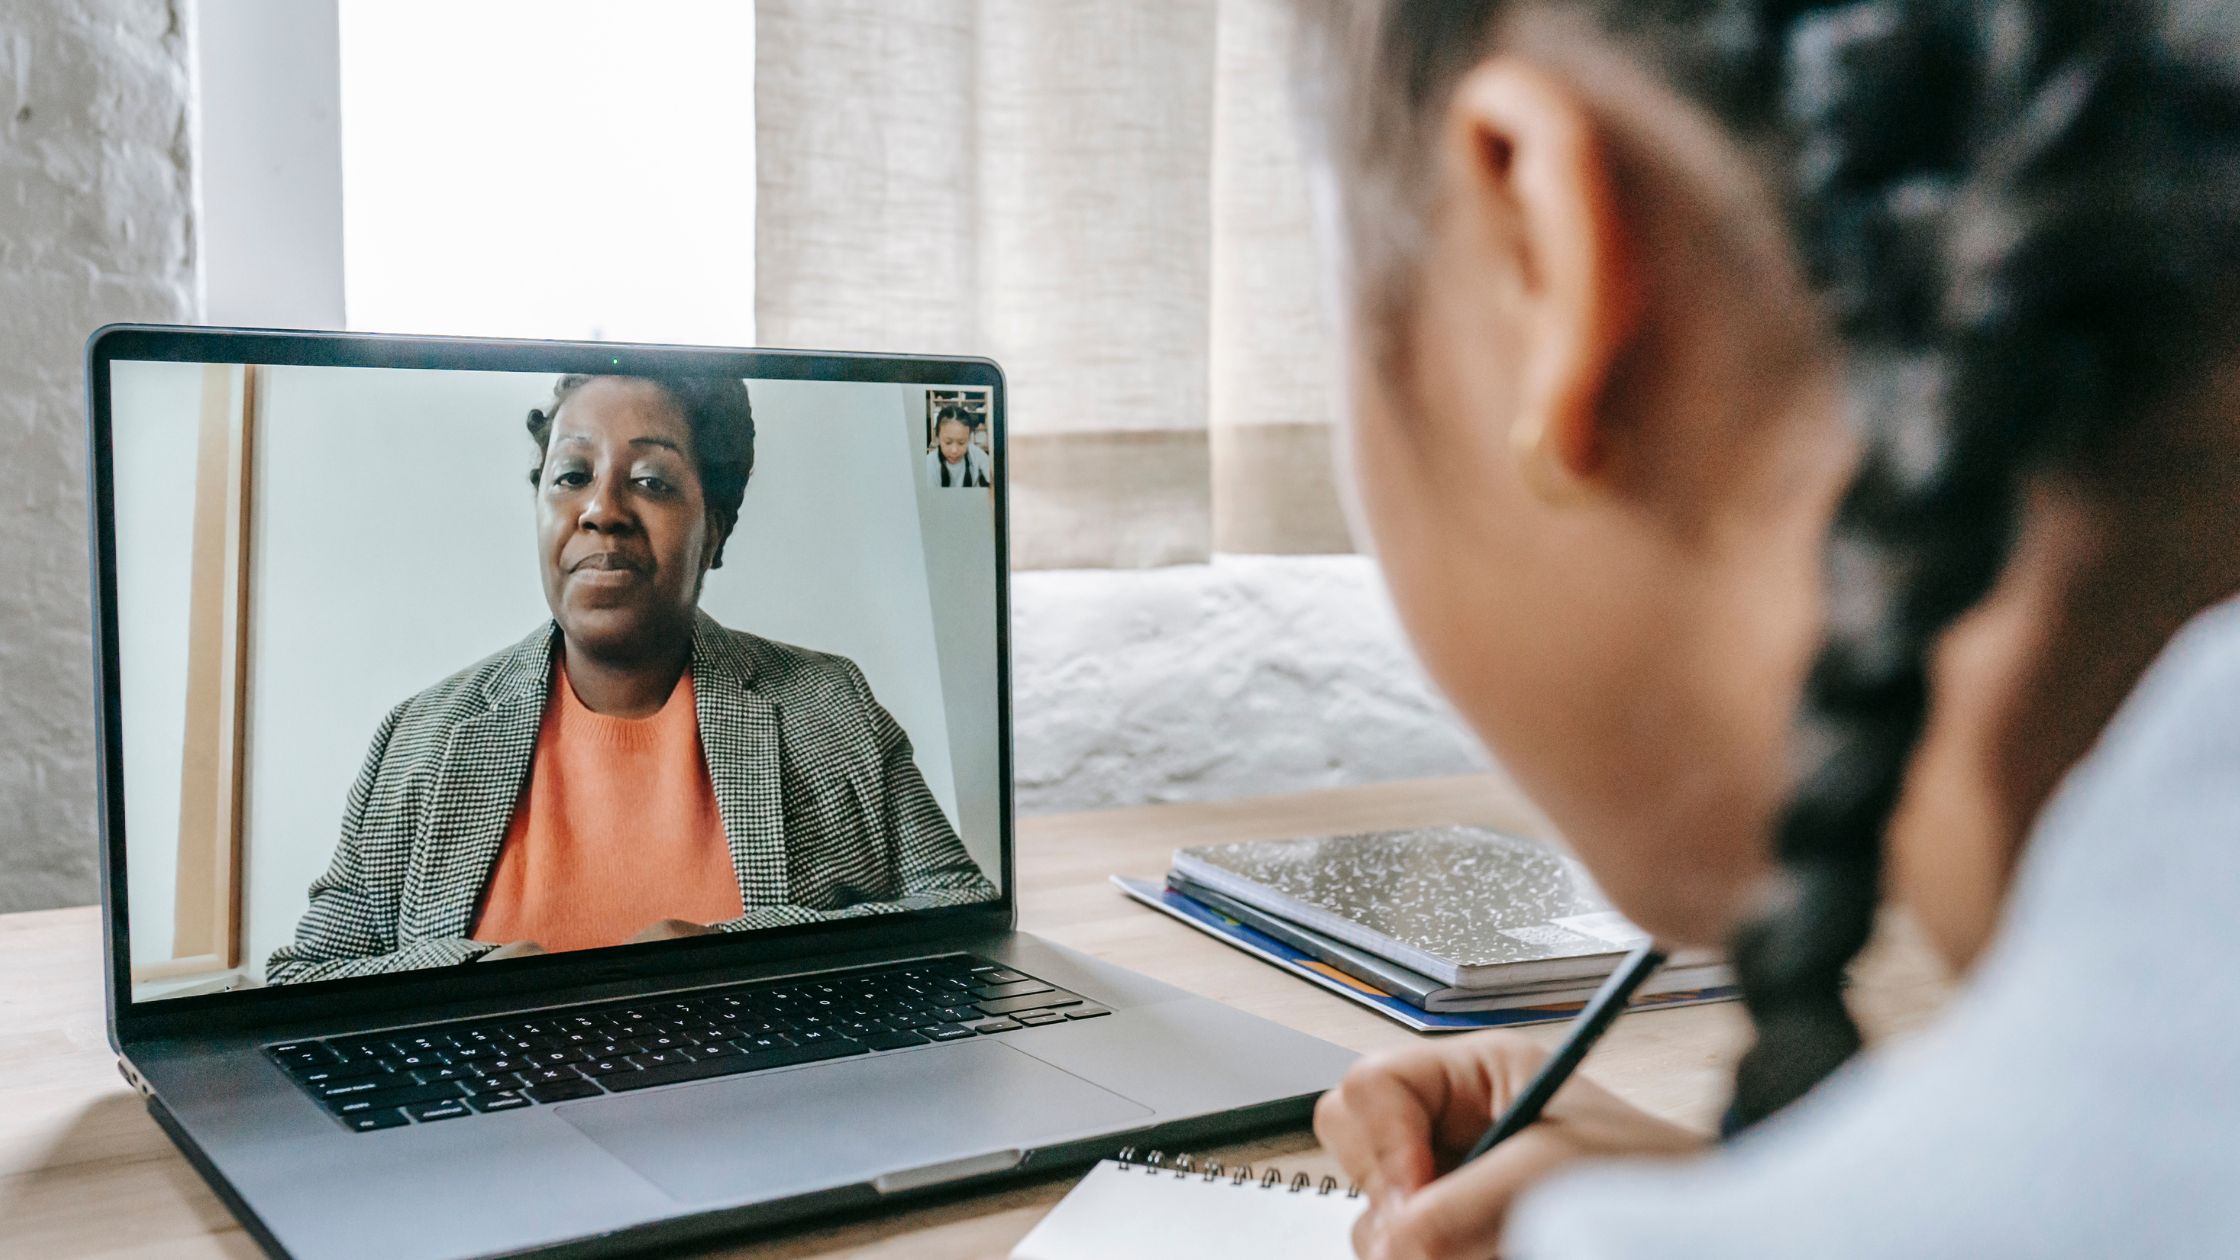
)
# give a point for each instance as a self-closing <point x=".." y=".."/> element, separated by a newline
<point x="720" y="416"/>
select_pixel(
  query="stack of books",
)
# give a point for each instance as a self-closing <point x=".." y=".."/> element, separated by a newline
<point x="1442" y="928"/>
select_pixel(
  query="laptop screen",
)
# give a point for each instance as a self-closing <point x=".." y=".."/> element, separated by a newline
<point x="423" y="668"/>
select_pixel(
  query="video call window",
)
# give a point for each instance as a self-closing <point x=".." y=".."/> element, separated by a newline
<point x="427" y="668"/>
<point x="959" y="452"/>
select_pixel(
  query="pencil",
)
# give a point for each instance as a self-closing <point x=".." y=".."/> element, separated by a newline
<point x="1608" y="1001"/>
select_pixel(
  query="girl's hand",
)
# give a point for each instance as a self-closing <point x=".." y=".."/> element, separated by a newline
<point x="1400" y="1122"/>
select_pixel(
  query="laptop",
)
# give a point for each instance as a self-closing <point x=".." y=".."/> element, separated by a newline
<point x="557" y="797"/>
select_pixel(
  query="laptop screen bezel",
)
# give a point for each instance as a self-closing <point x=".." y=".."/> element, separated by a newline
<point x="551" y="977"/>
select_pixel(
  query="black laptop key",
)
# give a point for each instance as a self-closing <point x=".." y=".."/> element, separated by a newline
<point x="996" y="1026"/>
<point x="606" y="1067"/>
<point x="895" y="1040"/>
<point x="948" y="1032"/>
<point x="790" y="1056"/>
<point x="429" y="1076"/>
<point x="996" y="975"/>
<point x="500" y="1100"/>
<point x="347" y="1086"/>
<point x="450" y="1109"/>
<point x="308" y="1058"/>
<point x="1086" y="1012"/>
<point x="1029" y="1002"/>
<point x="562" y="1091"/>
<point x="672" y="1073"/>
<point x="406" y="1095"/>
<point x="382" y="1118"/>
<point x="1036" y="1019"/>
<point x="1014" y="989"/>
<point x="502" y="1082"/>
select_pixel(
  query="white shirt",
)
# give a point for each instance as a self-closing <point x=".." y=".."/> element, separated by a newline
<point x="973" y="460"/>
<point x="2081" y="1095"/>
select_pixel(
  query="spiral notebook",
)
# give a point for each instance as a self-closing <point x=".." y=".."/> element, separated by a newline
<point x="1129" y="1209"/>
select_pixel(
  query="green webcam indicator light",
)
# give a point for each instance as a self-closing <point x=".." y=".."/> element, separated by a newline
<point x="616" y="362"/>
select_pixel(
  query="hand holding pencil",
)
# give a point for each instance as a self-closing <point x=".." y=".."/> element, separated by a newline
<point x="1405" y="1123"/>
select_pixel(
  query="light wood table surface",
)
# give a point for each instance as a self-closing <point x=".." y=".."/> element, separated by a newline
<point x="85" y="1172"/>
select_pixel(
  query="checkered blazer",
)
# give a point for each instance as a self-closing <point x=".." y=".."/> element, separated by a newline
<point x="823" y="807"/>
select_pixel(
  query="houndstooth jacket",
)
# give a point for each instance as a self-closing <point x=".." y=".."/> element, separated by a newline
<point x="822" y="805"/>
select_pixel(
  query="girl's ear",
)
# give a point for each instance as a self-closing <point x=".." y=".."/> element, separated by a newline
<point x="1523" y="148"/>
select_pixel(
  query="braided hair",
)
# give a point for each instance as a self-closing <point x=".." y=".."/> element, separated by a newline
<point x="721" y="417"/>
<point x="2023" y="217"/>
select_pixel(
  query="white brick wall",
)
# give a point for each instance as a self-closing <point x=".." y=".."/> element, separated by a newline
<point x="96" y="225"/>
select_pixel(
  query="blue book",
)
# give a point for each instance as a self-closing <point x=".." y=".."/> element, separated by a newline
<point x="1537" y="1007"/>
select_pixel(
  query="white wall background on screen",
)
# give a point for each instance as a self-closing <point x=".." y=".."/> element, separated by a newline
<point x="394" y="545"/>
<point x="549" y="168"/>
<point x="157" y="416"/>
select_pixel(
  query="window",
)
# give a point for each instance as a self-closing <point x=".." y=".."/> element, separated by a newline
<point x="549" y="168"/>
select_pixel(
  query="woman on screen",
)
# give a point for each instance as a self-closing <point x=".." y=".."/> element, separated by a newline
<point x="632" y="770"/>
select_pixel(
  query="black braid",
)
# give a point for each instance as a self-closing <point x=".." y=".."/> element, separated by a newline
<point x="2022" y="215"/>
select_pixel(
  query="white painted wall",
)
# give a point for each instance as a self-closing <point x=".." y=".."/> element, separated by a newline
<point x="394" y="545"/>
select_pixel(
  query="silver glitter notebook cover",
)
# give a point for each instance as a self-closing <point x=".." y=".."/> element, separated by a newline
<point x="1469" y="907"/>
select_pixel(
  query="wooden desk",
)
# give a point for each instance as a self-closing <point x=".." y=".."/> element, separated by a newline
<point x="85" y="1172"/>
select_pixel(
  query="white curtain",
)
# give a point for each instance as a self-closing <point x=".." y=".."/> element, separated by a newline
<point x="1104" y="197"/>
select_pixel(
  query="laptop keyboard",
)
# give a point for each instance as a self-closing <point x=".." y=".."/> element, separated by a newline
<point x="446" y="1071"/>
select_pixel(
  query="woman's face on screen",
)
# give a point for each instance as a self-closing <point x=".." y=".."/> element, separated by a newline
<point x="622" y="523"/>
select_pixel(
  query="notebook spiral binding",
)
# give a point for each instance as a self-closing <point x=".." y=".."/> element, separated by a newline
<point x="1182" y="1166"/>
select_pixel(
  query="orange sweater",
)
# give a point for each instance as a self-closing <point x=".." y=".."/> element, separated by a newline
<point x="618" y="830"/>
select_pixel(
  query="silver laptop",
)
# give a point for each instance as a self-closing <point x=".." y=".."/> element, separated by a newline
<point x="558" y="796"/>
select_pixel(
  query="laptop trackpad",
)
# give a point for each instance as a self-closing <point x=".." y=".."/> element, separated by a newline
<point x="777" y="1133"/>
